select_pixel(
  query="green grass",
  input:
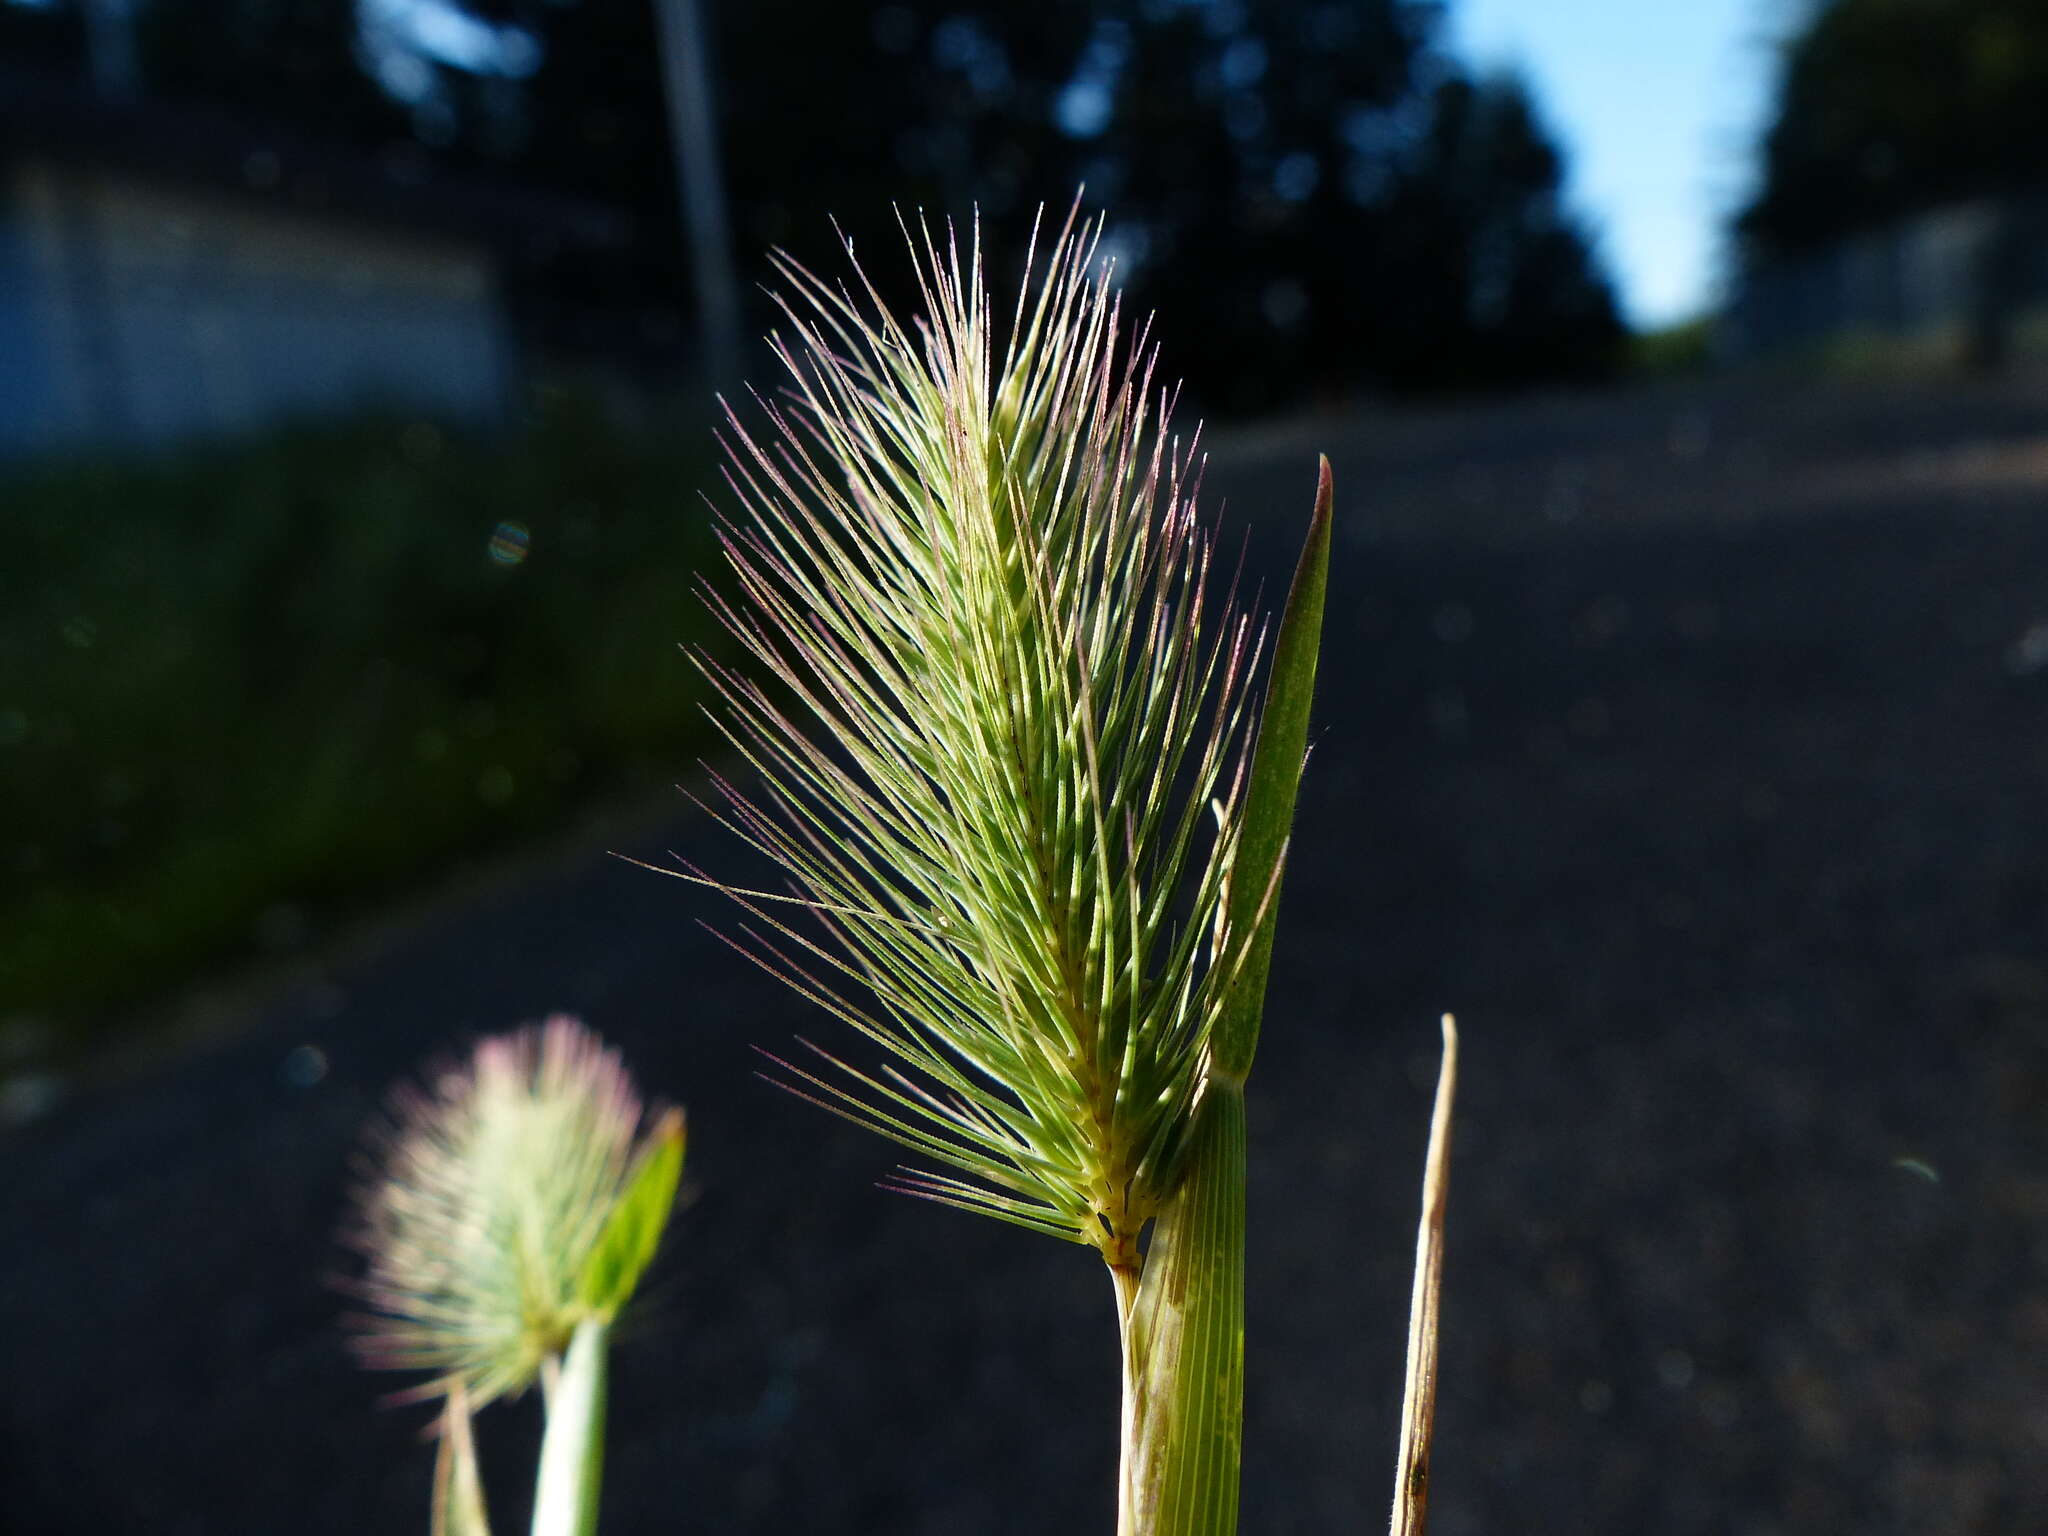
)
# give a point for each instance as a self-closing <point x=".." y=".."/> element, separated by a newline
<point x="255" y="686"/>
<point x="1673" y="351"/>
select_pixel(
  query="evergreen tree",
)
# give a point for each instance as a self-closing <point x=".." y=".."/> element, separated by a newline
<point x="1888" y="106"/>
<point x="1315" y="192"/>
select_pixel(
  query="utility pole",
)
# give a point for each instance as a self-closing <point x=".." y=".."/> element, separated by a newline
<point x="693" y="137"/>
<point x="110" y="47"/>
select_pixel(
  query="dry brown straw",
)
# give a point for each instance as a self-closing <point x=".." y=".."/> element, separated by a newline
<point x="1418" y="1399"/>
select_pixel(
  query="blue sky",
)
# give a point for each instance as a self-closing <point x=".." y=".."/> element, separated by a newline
<point x="1659" y="102"/>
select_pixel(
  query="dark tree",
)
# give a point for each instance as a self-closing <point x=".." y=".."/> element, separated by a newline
<point x="42" y="38"/>
<point x="1250" y="147"/>
<point x="284" y="63"/>
<point x="1888" y="106"/>
<point x="1343" y="208"/>
<point x="1502" y="285"/>
<point x="1313" y="196"/>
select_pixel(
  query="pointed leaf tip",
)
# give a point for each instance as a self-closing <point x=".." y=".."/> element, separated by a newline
<point x="1276" y="775"/>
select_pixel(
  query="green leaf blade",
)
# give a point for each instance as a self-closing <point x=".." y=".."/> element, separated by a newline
<point x="632" y="1232"/>
<point x="1275" y="777"/>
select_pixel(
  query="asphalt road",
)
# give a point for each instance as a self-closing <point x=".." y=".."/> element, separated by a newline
<point x="1691" y="747"/>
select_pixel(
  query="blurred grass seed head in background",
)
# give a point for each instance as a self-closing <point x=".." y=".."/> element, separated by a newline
<point x="516" y="1196"/>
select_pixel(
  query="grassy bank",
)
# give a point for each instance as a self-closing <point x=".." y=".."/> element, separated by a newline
<point x="252" y="687"/>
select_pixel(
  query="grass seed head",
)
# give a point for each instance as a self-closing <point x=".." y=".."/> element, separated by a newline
<point x="997" y="717"/>
<point x="496" y="1184"/>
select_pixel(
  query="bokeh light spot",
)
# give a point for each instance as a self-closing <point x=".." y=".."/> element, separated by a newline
<point x="510" y="542"/>
<point x="305" y="1065"/>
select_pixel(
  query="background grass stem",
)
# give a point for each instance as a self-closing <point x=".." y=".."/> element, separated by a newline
<point x="458" y="1485"/>
<point x="572" y="1450"/>
<point x="1418" y="1399"/>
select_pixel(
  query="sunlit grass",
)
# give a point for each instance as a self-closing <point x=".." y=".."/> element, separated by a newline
<point x="1001" y="732"/>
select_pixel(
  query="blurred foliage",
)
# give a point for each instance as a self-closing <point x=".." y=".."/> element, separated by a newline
<point x="1313" y="193"/>
<point x="1264" y="164"/>
<point x="1886" y="107"/>
<point x="42" y="37"/>
<point x="253" y="684"/>
<point x="1670" y="351"/>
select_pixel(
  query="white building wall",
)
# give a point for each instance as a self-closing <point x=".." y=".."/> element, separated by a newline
<point x="1953" y="284"/>
<point x="161" y="314"/>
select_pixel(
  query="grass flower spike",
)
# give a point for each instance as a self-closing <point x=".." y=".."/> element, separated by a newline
<point x="1004" y="734"/>
<point x="963" y="577"/>
<point x="518" y="1203"/>
<point x="499" y="1188"/>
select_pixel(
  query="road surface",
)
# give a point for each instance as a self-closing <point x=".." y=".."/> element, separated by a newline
<point x="1692" y="747"/>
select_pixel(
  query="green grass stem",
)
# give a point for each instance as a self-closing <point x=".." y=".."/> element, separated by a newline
<point x="1183" y="1320"/>
<point x="1184" y="1343"/>
<point x="572" y="1450"/>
